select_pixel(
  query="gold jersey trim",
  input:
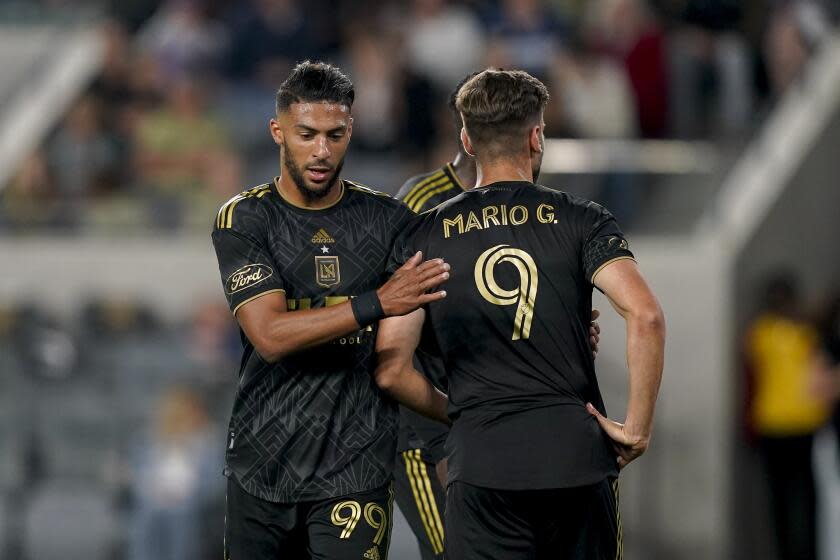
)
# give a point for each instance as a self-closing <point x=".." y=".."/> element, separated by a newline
<point x="224" y="218"/>
<point x="418" y="477"/>
<point x="420" y="202"/>
<point x="259" y="295"/>
<point x="365" y="189"/>
<point x="600" y="268"/>
<point x="619" y="533"/>
<point x="454" y="176"/>
<point x="419" y="187"/>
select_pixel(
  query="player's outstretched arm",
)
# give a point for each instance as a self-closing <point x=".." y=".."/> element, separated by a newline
<point x="630" y="295"/>
<point x="276" y="332"/>
<point x="396" y="342"/>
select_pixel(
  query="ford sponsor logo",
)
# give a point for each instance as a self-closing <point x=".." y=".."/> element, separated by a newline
<point x="247" y="276"/>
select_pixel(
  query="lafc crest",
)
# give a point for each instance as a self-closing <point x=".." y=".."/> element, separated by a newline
<point x="327" y="271"/>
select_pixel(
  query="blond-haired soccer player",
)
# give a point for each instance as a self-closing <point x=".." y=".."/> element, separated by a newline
<point x="533" y="458"/>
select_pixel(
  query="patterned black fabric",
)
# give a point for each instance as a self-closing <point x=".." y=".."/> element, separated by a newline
<point x="513" y="332"/>
<point x="313" y="425"/>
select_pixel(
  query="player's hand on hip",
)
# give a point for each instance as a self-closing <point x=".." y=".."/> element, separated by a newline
<point x="407" y="289"/>
<point x="627" y="446"/>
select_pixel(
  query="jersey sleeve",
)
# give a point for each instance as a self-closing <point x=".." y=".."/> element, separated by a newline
<point x="245" y="264"/>
<point x="405" y="189"/>
<point x="404" y="245"/>
<point x="603" y="242"/>
<point x="427" y="360"/>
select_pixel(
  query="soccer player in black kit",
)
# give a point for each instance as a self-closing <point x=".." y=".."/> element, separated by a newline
<point x="533" y="459"/>
<point x="311" y="444"/>
<point x="421" y="460"/>
<point x="420" y="449"/>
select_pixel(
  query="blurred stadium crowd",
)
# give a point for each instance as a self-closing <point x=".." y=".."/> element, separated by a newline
<point x="112" y="420"/>
<point x="175" y="122"/>
<point x="112" y="432"/>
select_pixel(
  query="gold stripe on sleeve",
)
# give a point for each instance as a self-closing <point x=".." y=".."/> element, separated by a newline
<point x="220" y="217"/>
<point x="229" y="220"/>
<point x="419" y="187"/>
<point x="442" y="181"/>
<point x="422" y="200"/>
<point x="256" y="191"/>
<point x="259" y="295"/>
<point x="224" y="219"/>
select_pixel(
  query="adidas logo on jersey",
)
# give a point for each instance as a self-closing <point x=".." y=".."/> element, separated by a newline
<point x="372" y="553"/>
<point x="321" y="236"/>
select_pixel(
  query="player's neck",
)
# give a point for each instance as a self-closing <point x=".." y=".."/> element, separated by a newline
<point x="464" y="168"/>
<point x="500" y="170"/>
<point x="290" y="191"/>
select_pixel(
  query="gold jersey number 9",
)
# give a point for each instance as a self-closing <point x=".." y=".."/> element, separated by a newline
<point x="523" y="296"/>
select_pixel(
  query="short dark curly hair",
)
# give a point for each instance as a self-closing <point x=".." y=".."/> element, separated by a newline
<point x="313" y="82"/>
<point x="498" y="105"/>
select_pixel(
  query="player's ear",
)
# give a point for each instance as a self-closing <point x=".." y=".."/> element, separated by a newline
<point x="276" y="131"/>
<point x="535" y="139"/>
<point x="349" y="128"/>
<point x="465" y="140"/>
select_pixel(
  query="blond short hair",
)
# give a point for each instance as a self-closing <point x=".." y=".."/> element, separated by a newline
<point x="499" y="105"/>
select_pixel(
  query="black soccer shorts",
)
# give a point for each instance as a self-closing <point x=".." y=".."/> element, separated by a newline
<point x="422" y="500"/>
<point x="581" y="523"/>
<point x="352" y="527"/>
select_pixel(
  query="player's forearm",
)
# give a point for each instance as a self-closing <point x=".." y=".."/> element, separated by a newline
<point x="295" y="331"/>
<point x="409" y="387"/>
<point x="645" y="359"/>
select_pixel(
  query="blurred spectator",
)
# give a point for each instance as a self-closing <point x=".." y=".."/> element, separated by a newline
<point x="795" y="30"/>
<point x="112" y="87"/>
<point x="527" y="34"/>
<point x="27" y="200"/>
<point x="84" y="157"/>
<point x="827" y="362"/>
<point x="596" y="102"/>
<point x="214" y="340"/>
<point x="185" y="40"/>
<point x="175" y="476"/>
<point x="711" y="71"/>
<point x="267" y="38"/>
<point x="593" y="93"/>
<point x="405" y="57"/>
<point x="627" y="30"/>
<point x="784" y="414"/>
<point x="377" y="107"/>
<point x="827" y="442"/>
<point x="47" y="349"/>
<point x="107" y="319"/>
<point x="183" y="154"/>
<point x="420" y="129"/>
<point x="444" y="41"/>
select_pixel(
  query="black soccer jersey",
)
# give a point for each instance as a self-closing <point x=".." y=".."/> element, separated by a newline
<point x="313" y="425"/>
<point x="425" y="191"/>
<point x="422" y="192"/>
<point x="513" y="332"/>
